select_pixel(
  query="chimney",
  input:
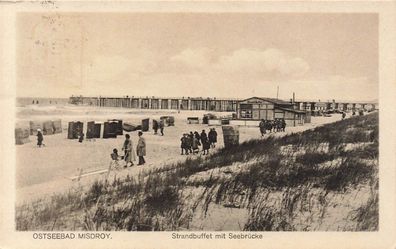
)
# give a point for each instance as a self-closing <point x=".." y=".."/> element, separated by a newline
<point x="294" y="97"/>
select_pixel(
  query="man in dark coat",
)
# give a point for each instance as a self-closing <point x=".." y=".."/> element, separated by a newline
<point x="274" y="125"/>
<point x="184" y="144"/>
<point x="212" y="136"/>
<point x="278" y="125"/>
<point x="161" y="126"/>
<point x="203" y="136"/>
<point x="155" y="126"/>
<point x="262" y="127"/>
<point x="268" y="125"/>
<point x="40" y="138"/>
<point x="205" y="142"/>
<point x="283" y="124"/>
<point x="197" y="136"/>
<point x="190" y="141"/>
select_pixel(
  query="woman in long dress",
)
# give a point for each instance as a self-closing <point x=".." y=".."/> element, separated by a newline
<point x="141" y="148"/>
<point x="129" y="156"/>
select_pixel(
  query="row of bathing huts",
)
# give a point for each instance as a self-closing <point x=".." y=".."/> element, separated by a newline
<point x="209" y="104"/>
<point x="245" y="111"/>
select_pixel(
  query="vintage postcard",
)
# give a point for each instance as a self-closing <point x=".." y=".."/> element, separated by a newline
<point x="207" y="124"/>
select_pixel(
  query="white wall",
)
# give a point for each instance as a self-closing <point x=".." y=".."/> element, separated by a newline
<point x="245" y="122"/>
<point x="214" y="122"/>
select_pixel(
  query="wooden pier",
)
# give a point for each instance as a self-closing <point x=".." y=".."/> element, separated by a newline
<point x="208" y="104"/>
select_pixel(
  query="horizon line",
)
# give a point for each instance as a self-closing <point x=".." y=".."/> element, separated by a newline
<point x="211" y="98"/>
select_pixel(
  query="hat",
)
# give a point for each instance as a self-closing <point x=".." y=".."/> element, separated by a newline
<point x="39" y="130"/>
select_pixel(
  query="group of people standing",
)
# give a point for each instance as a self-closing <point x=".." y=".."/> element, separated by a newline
<point x="190" y="142"/>
<point x="276" y="125"/>
<point x="129" y="154"/>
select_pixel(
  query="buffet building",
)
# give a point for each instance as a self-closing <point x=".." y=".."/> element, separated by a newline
<point x="256" y="109"/>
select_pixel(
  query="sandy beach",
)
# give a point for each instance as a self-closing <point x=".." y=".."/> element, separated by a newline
<point x="41" y="172"/>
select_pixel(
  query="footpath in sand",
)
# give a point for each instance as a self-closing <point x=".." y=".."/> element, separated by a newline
<point x="42" y="172"/>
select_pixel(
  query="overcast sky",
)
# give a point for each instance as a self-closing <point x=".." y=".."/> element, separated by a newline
<point x="317" y="56"/>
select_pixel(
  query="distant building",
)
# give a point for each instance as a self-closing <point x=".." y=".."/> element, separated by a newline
<point x="257" y="108"/>
<point x="320" y="106"/>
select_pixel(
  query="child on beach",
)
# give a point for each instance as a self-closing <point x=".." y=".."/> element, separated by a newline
<point x="114" y="159"/>
<point x="81" y="137"/>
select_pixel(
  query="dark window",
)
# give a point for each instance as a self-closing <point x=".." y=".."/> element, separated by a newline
<point x="246" y="110"/>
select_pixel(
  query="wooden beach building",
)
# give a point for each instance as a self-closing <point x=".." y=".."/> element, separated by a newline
<point x="250" y="111"/>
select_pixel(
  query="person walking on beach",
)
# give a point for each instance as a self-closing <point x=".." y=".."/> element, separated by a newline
<point x="155" y="126"/>
<point x="212" y="136"/>
<point x="205" y="142"/>
<point x="161" y="126"/>
<point x="40" y="138"/>
<point x="198" y="137"/>
<point x="129" y="155"/>
<point x="262" y="127"/>
<point x="194" y="145"/>
<point x="205" y="146"/>
<point x="190" y="141"/>
<point x="141" y="148"/>
<point x="283" y="125"/>
<point x="203" y="136"/>
<point x="184" y="144"/>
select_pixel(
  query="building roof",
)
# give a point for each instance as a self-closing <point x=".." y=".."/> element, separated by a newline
<point x="272" y="100"/>
<point x="340" y="101"/>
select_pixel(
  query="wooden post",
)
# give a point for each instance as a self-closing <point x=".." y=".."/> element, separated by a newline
<point x="294" y="119"/>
